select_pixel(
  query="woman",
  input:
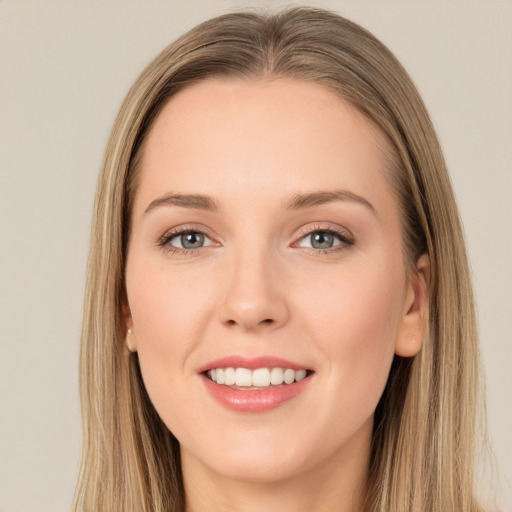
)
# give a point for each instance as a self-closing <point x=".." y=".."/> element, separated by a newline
<point x="278" y="308"/>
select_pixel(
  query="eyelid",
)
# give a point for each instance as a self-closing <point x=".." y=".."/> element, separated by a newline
<point x="318" y="226"/>
<point x="164" y="240"/>
<point x="344" y="235"/>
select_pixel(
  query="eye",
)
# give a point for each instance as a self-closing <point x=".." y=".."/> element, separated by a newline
<point x="186" y="240"/>
<point x="325" y="239"/>
<point x="320" y="240"/>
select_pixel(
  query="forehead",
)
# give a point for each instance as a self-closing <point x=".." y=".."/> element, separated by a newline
<point x="228" y="137"/>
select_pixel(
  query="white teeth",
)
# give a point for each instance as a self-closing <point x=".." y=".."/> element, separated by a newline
<point x="259" y="378"/>
<point x="276" y="376"/>
<point x="243" y="377"/>
<point x="289" y="376"/>
<point x="299" y="375"/>
<point x="229" y="376"/>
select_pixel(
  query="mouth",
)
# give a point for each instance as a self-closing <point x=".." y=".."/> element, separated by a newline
<point x="256" y="379"/>
<point x="255" y="385"/>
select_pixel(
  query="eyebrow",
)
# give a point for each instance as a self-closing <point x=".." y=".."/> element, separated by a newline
<point x="296" y="202"/>
<point x="300" y="201"/>
<point x="195" y="201"/>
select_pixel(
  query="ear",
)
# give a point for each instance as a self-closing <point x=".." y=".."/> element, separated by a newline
<point x="414" y="316"/>
<point x="128" y="321"/>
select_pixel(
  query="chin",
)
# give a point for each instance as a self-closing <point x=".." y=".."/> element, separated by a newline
<point x="257" y="462"/>
<point x="258" y="470"/>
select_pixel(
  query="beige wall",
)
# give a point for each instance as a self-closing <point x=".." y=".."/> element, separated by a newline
<point x="64" y="68"/>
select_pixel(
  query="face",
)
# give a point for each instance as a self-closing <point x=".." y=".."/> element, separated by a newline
<point x="266" y="244"/>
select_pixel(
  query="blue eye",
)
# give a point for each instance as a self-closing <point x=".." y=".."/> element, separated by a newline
<point x="324" y="239"/>
<point x="318" y="240"/>
<point x="188" y="240"/>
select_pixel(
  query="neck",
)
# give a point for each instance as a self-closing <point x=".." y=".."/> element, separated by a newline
<point x="338" y="484"/>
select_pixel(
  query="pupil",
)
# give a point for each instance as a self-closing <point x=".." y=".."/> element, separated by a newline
<point x="322" y="240"/>
<point x="192" y="240"/>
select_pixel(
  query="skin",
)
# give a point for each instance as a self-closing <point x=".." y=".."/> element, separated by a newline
<point x="258" y="287"/>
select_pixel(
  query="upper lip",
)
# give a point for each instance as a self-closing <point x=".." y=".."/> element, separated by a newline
<point x="252" y="363"/>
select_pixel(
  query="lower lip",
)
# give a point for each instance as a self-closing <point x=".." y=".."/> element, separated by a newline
<point x="258" y="400"/>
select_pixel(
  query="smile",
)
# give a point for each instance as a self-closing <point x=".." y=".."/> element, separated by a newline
<point x="255" y="379"/>
<point x="255" y="385"/>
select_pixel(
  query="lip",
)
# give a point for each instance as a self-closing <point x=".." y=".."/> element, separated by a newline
<point x="254" y="400"/>
<point x="252" y="363"/>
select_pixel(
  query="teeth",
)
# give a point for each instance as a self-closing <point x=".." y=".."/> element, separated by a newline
<point x="229" y="376"/>
<point x="289" y="376"/>
<point x="243" y="377"/>
<point x="276" y="376"/>
<point x="299" y="375"/>
<point x="259" y="378"/>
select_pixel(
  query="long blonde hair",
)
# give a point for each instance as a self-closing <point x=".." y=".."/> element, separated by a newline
<point x="424" y="434"/>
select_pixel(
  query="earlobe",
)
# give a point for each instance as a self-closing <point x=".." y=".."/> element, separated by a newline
<point x="130" y="341"/>
<point x="130" y="337"/>
<point x="415" y="311"/>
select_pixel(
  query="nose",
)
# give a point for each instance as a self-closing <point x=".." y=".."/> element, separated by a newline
<point x="254" y="297"/>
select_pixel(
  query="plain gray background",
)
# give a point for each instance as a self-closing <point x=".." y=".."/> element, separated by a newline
<point x="64" y="69"/>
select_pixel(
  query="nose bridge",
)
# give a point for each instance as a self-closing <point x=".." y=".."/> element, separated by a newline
<point x="253" y="298"/>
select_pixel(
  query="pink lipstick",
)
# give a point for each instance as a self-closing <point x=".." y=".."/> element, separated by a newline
<point x="254" y="385"/>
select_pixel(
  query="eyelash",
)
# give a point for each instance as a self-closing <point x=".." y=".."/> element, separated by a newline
<point x="345" y="238"/>
<point x="165" y="240"/>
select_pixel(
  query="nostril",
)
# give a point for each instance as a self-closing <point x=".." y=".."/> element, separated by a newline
<point x="266" y="321"/>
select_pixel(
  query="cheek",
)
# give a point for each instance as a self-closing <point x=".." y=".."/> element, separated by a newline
<point x="355" y="324"/>
<point x="167" y="307"/>
<point x="168" y="313"/>
<point x="359" y="304"/>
